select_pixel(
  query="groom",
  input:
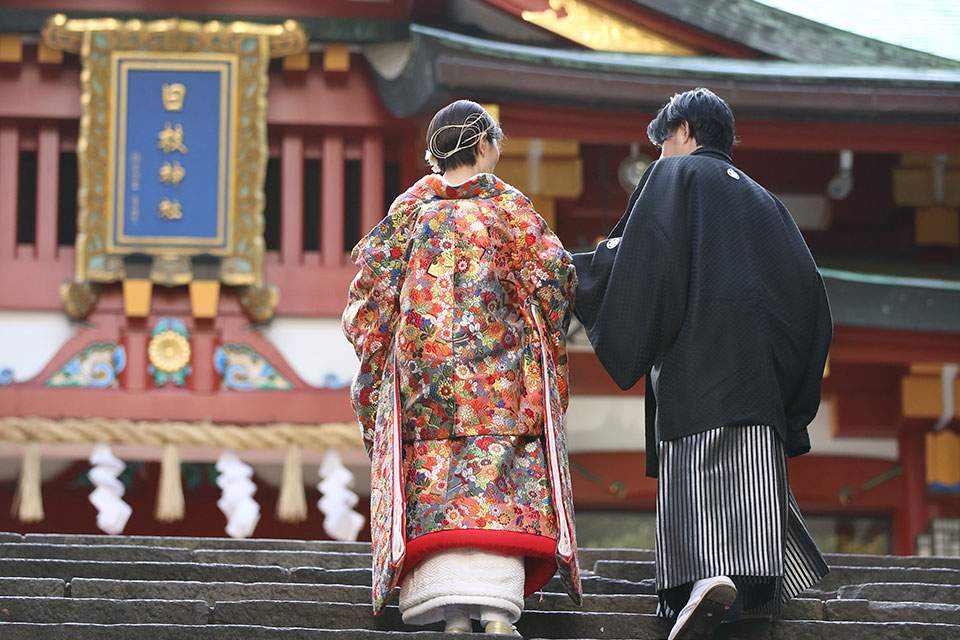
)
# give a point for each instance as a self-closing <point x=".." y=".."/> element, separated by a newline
<point x="707" y="288"/>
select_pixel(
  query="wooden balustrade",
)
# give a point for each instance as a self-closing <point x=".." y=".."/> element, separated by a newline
<point x="311" y="283"/>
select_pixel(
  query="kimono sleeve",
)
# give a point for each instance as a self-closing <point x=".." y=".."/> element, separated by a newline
<point x="633" y="286"/>
<point x="373" y="309"/>
<point x="802" y="409"/>
<point x="547" y="280"/>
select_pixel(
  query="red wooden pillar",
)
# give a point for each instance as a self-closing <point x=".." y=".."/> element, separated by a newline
<point x="331" y="201"/>
<point x="911" y="517"/>
<point x="204" y="343"/>
<point x="9" y="169"/>
<point x="371" y="183"/>
<point x="48" y="186"/>
<point x="291" y="199"/>
<point x="136" y="337"/>
<point x="412" y="165"/>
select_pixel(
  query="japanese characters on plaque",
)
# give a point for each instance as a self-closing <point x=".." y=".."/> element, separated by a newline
<point x="172" y="152"/>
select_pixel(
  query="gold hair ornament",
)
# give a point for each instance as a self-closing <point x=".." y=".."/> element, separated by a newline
<point x="463" y="142"/>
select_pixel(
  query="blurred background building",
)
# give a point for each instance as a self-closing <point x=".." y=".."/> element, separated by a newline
<point x="172" y="356"/>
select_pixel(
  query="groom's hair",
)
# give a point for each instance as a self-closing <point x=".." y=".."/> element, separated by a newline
<point x="708" y="116"/>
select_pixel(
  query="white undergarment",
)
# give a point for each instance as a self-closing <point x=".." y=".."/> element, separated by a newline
<point x="484" y="579"/>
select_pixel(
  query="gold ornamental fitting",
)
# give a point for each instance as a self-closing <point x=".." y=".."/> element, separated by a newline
<point x="169" y="351"/>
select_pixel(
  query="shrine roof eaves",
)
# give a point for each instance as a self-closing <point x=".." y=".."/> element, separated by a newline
<point x="442" y="63"/>
<point x="786" y="36"/>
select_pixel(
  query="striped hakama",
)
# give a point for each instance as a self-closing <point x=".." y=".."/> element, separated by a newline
<point x="724" y="508"/>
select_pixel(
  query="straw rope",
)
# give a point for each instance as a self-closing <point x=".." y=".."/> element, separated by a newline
<point x="182" y="434"/>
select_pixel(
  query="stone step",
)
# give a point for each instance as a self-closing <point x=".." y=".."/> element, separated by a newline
<point x="588" y="556"/>
<point x="315" y="575"/>
<point x="838" y="576"/>
<point x="41" y="587"/>
<point x="103" y="611"/>
<point x="564" y="624"/>
<point x="192" y="543"/>
<point x="286" y="558"/>
<point x="69" y="569"/>
<point x="81" y="631"/>
<point x="902" y="592"/>
<point x="214" y="592"/>
<point x="601" y="585"/>
<point x="783" y="630"/>
<point x="109" y="553"/>
<point x="813" y="630"/>
<point x="879" y="611"/>
<point x="867" y="560"/>
<point x="842" y="576"/>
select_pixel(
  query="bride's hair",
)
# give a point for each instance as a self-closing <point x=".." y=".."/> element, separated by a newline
<point x="454" y="132"/>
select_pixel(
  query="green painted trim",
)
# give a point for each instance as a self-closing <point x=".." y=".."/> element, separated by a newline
<point x="897" y="281"/>
<point x="347" y="30"/>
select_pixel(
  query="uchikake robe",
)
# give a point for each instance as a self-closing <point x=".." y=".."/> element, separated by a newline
<point x="458" y="316"/>
<point x="707" y="287"/>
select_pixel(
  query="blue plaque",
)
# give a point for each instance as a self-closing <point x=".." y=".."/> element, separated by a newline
<point x="172" y="141"/>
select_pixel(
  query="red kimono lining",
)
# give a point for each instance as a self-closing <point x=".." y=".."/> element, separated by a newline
<point x="539" y="551"/>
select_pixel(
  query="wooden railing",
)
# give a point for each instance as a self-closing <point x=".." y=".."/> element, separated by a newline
<point x="311" y="282"/>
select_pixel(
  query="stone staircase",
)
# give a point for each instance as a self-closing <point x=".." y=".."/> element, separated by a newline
<point x="68" y="587"/>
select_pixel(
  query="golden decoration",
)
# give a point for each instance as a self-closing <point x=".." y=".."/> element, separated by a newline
<point x="258" y="302"/>
<point x="78" y="298"/>
<point x="597" y="29"/>
<point x="253" y="45"/>
<point x="173" y="95"/>
<point x="172" y="173"/>
<point x="169" y="351"/>
<point x="170" y="209"/>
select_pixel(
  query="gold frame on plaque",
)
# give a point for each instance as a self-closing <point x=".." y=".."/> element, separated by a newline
<point x="96" y="41"/>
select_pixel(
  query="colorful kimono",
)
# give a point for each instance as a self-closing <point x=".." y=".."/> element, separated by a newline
<point x="461" y="409"/>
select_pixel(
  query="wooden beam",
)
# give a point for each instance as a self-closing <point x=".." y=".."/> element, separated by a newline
<point x="912" y="513"/>
<point x="588" y="377"/>
<point x="48" y="186"/>
<point x="291" y="198"/>
<point x="297" y="62"/>
<point x="9" y="184"/>
<point x="332" y="200"/>
<point x="49" y="55"/>
<point x="336" y="58"/>
<point x="892" y="346"/>
<point x="11" y="47"/>
<point x="251" y="407"/>
<point x="544" y="121"/>
<point x="866" y="415"/>
<point x="922" y="396"/>
<point x="371" y="182"/>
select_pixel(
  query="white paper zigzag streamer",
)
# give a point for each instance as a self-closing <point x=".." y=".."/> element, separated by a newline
<point x="337" y="501"/>
<point x="112" y="511"/>
<point x="236" y="502"/>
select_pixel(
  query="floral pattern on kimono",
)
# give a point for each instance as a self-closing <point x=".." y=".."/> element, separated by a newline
<point x="452" y="283"/>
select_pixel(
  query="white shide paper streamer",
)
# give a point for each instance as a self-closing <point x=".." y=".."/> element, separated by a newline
<point x="337" y="501"/>
<point x="107" y="495"/>
<point x="236" y="501"/>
